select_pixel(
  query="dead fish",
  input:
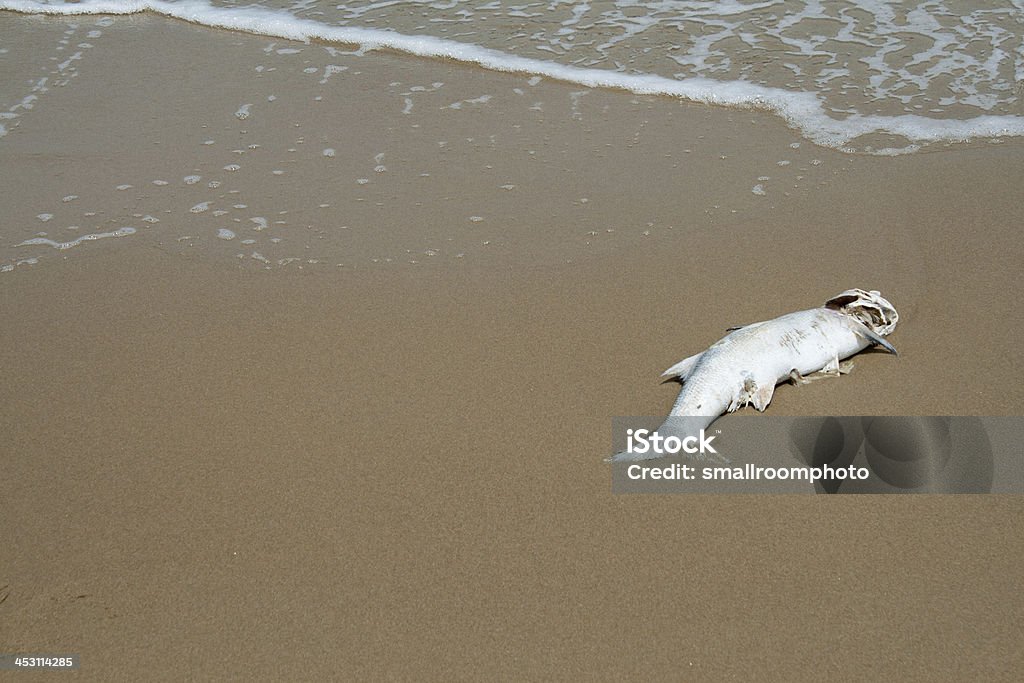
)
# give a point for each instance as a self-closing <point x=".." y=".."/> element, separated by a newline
<point x="744" y="367"/>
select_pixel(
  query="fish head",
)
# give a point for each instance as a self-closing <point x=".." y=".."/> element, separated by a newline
<point x="870" y="308"/>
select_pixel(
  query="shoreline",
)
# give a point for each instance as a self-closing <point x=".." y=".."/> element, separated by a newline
<point x="799" y="110"/>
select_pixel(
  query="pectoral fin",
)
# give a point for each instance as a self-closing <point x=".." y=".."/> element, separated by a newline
<point x="763" y="396"/>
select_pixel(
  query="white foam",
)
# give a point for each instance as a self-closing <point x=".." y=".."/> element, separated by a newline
<point x="120" y="232"/>
<point x="8" y="267"/>
<point x="803" y="110"/>
<point x="483" y="99"/>
<point x="330" y="70"/>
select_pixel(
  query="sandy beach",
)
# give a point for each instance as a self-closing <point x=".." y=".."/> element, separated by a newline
<point x="375" y="449"/>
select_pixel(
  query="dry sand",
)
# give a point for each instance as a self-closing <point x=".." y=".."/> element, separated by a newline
<point x="217" y="471"/>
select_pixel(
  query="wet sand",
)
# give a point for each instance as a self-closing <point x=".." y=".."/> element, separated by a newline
<point x="392" y="469"/>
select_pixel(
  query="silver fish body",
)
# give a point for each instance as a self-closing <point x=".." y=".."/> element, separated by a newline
<point x="744" y="367"/>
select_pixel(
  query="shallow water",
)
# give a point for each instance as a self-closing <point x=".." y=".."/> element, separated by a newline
<point x="254" y="147"/>
<point x="868" y="76"/>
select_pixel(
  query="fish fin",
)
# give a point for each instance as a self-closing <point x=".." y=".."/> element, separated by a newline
<point x="682" y="368"/>
<point x="751" y="393"/>
<point x="796" y="378"/>
<point x="873" y="337"/>
<point x="843" y="368"/>
<point x="762" y="396"/>
<point x="831" y="367"/>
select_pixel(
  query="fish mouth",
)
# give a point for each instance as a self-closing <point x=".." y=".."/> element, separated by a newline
<point x="869" y="307"/>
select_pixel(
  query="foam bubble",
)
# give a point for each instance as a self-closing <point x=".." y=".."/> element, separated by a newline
<point x="8" y="267"/>
<point x="120" y="232"/>
<point x="330" y="70"/>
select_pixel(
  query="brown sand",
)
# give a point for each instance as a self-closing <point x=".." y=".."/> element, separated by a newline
<point x="217" y="471"/>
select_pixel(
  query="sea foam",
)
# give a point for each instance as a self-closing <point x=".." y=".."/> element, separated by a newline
<point x="802" y="109"/>
<point x="120" y="232"/>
